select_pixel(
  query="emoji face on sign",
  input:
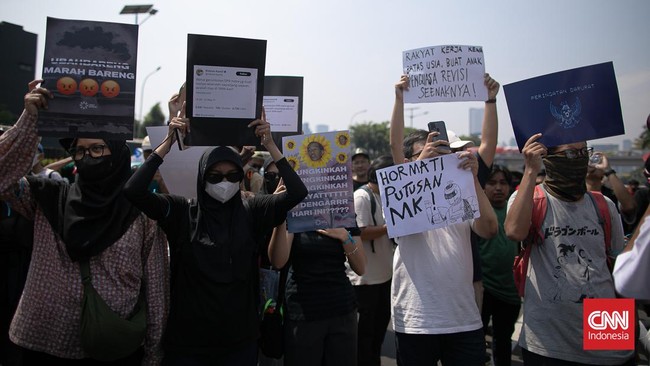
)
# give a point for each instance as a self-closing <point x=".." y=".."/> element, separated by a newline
<point x="88" y="87"/>
<point x="110" y="88"/>
<point x="66" y="85"/>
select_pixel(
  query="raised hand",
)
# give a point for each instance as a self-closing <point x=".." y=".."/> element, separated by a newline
<point x="533" y="153"/>
<point x="180" y="124"/>
<point x="262" y="129"/>
<point x="433" y="148"/>
<point x="468" y="161"/>
<point x="175" y="104"/>
<point x="37" y="97"/>
<point x="401" y="86"/>
<point x="492" y="86"/>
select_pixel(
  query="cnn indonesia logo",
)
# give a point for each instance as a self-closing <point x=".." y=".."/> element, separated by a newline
<point x="608" y="324"/>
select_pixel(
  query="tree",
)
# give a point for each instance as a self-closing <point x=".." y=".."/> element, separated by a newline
<point x="373" y="137"/>
<point x="643" y="141"/>
<point x="6" y="117"/>
<point x="155" y="117"/>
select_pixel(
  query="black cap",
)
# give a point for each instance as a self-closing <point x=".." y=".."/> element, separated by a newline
<point x="361" y="151"/>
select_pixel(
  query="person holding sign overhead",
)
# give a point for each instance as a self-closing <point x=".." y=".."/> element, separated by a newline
<point x="87" y="224"/>
<point x="435" y="316"/>
<point x="214" y="241"/>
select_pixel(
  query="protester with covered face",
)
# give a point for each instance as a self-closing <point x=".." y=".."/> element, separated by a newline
<point x="214" y="241"/>
<point x="566" y="267"/>
<point x="88" y="223"/>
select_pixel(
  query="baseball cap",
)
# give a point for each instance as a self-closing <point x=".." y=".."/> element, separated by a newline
<point x="456" y="143"/>
<point x="360" y="151"/>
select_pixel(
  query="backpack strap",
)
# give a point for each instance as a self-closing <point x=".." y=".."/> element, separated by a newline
<point x="535" y="236"/>
<point x="373" y="209"/>
<point x="540" y="207"/>
<point x="605" y="221"/>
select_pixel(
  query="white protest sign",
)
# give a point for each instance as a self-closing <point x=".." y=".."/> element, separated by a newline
<point x="282" y="113"/>
<point x="180" y="168"/>
<point x="426" y="194"/>
<point x="444" y="74"/>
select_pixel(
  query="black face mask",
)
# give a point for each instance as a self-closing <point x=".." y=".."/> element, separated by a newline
<point x="566" y="177"/>
<point x="94" y="169"/>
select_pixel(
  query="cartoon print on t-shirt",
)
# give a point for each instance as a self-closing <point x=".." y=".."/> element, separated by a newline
<point x="572" y="280"/>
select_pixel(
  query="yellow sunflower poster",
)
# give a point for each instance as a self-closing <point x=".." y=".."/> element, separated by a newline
<point x="322" y="161"/>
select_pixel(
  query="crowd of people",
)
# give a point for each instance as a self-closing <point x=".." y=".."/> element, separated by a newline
<point x="180" y="276"/>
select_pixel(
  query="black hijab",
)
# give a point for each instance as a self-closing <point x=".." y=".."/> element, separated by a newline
<point x="90" y="216"/>
<point x="221" y="232"/>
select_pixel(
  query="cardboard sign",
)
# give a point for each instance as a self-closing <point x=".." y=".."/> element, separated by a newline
<point x="180" y="168"/>
<point x="445" y="74"/>
<point x="426" y="194"/>
<point x="90" y="68"/>
<point x="569" y="106"/>
<point x="323" y="162"/>
<point x="225" y="87"/>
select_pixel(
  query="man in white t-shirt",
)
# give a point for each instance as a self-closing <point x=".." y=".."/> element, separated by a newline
<point x="372" y="289"/>
<point x="570" y="264"/>
<point x="435" y="316"/>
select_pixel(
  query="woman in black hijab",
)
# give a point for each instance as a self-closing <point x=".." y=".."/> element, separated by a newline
<point x="88" y="221"/>
<point x="214" y="241"/>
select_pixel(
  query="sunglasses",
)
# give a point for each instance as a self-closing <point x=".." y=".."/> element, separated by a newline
<point x="233" y="177"/>
<point x="270" y="175"/>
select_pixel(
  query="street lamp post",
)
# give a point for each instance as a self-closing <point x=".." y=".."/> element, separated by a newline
<point x="142" y="92"/>
<point x="139" y="9"/>
<point x="411" y="115"/>
<point x="356" y="114"/>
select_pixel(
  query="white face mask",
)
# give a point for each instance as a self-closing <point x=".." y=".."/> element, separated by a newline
<point x="223" y="191"/>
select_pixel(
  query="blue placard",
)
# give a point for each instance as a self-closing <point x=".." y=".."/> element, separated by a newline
<point x="569" y="106"/>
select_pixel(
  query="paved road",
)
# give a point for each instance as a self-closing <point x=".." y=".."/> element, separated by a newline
<point x="388" y="348"/>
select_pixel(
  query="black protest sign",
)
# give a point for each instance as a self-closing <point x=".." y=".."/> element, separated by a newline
<point x="225" y="88"/>
<point x="90" y="68"/>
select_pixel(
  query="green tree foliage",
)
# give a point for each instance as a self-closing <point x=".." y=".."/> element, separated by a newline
<point x="643" y="141"/>
<point x="6" y="117"/>
<point x="155" y="117"/>
<point x="373" y="137"/>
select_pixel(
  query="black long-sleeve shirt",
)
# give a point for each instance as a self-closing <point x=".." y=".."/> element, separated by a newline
<point x="208" y="317"/>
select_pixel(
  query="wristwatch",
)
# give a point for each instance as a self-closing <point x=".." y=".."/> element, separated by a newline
<point x="608" y="172"/>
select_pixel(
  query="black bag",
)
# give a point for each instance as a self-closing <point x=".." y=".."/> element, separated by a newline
<point x="272" y="331"/>
<point x="104" y="335"/>
<point x="272" y="325"/>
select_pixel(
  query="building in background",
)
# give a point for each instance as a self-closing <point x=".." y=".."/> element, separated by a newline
<point x="18" y="65"/>
<point x="605" y="147"/>
<point x="475" y="121"/>
<point x="305" y="128"/>
<point x="627" y="145"/>
<point x="322" y="128"/>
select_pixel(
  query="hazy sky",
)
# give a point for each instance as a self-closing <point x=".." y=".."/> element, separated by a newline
<point x="349" y="52"/>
